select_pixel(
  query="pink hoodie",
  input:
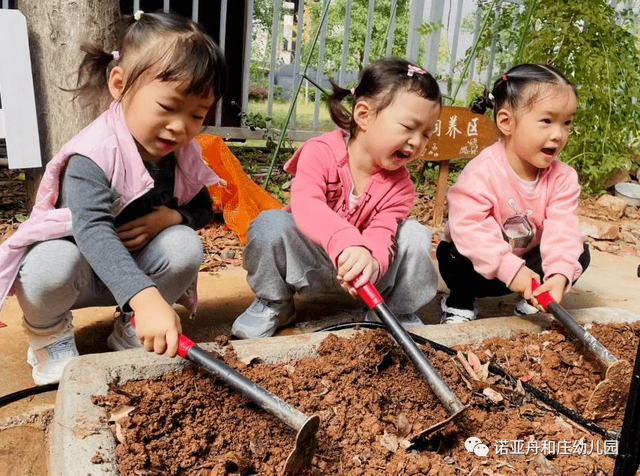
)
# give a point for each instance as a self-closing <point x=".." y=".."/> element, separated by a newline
<point x="320" y="200"/>
<point x="108" y="142"/>
<point x="488" y="205"/>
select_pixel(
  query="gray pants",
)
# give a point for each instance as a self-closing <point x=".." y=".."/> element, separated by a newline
<point x="281" y="261"/>
<point x="54" y="277"/>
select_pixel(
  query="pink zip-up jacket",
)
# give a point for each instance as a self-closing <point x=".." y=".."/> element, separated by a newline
<point x="494" y="220"/>
<point x="108" y="142"/>
<point x="320" y="200"/>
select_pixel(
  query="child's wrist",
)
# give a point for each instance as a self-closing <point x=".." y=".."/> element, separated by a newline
<point x="142" y="298"/>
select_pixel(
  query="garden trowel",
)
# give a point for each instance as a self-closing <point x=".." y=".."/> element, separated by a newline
<point x="610" y="394"/>
<point x="305" y="426"/>
<point x="369" y="294"/>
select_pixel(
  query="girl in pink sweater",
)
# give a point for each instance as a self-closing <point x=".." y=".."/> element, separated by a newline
<point x="350" y="197"/>
<point x="512" y="211"/>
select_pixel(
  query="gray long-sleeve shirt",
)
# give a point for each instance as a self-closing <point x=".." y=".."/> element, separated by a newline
<point x="86" y="191"/>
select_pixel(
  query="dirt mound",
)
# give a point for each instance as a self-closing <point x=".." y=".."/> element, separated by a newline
<point x="373" y="405"/>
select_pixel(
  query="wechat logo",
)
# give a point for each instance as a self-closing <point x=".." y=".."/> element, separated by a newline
<point x="474" y="445"/>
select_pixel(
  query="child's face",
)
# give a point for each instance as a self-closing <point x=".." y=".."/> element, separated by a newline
<point x="541" y="132"/>
<point x="397" y="135"/>
<point x="162" y="118"/>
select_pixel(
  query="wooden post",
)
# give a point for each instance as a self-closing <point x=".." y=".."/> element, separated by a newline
<point x="441" y="193"/>
<point x="56" y="31"/>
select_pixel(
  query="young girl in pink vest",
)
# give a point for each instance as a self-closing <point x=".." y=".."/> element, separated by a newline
<point x="512" y="211"/>
<point x="116" y="212"/>
<point x="350" y="199"/>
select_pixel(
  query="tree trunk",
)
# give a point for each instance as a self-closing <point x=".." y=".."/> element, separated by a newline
<point x="56" y="29"/>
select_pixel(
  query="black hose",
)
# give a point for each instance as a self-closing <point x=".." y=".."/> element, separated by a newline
<point x="27" y="392"/>
<point x="496" y="369"/>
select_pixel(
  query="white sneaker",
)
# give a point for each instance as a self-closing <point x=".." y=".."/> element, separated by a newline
<point x="523" y="308"/>
<point x="49" y="355"/>
<point x="453" y="315"/>
<point x="123" y="336"/>
<point x="409" y="319"/>
<point x="263" y="318"/>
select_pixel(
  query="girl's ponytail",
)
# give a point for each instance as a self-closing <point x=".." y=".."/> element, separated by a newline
<point x="339" y="114"/>
<point x="481" y="104"/>
<point x="92" y="80"/>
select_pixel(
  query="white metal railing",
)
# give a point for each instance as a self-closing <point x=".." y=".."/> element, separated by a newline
<point x="439" y="50"/>
<point x="420" y="11"/>
<point x="449" y="13"/>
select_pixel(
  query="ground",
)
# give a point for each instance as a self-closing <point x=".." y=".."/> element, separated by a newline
<point x="610" y="281"/>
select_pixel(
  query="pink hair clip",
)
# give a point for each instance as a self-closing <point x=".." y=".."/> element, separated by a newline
<point x="414" y="69"/>
<point x="116" y="55"/>
<point x="504" y="77"/>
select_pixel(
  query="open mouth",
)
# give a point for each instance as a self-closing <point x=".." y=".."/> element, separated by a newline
<point x="549" y="151"/>
<point x="402" y="155"/>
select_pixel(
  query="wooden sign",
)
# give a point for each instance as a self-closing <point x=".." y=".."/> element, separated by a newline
<point x="459" y="134"/>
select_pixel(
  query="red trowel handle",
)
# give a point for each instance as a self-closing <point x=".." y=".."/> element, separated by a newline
<point x="184" y="343"/>
<point x="370" y="295"/>
<point x="297" y="420"/>
<point x="545" y="298"/>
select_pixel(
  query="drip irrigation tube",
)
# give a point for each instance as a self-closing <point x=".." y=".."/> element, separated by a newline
<point x="27" y="392"/>
<point x="496" y="369"/>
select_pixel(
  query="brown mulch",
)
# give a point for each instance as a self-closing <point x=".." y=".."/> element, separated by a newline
<point x="373" y="405"/>
<point x="222" y="248"/>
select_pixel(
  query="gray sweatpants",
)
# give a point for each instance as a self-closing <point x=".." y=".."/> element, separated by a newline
<point x="281" y="261"/>
<point x="54" y="277"/>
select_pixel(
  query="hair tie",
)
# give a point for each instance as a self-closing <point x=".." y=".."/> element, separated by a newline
<point x="504" y="77"/>
<point x="116" y="55"/>
<point x="414" y="69"/>
<point x="491" y="97"/>
<point x="137" y="15"/>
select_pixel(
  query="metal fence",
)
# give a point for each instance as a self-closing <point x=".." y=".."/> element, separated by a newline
<point x="444" y="16"/>
<point x="440" y="48"/>
<point x="452" y="28"/>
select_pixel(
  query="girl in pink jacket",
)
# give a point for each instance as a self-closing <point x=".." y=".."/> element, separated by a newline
<point x="512" y="211"/>
<point x="350" y="197"/>
<point x="116" y="212"/>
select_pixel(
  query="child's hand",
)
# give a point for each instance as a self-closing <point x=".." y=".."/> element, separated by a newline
<point x="356" y="262"/>
<point x="521" y="284"/>
<point x="555" y="285"/>
<point x="137" y="233"/>
<point x="157" y="324"/>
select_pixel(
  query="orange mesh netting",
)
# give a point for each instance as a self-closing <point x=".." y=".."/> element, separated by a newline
<point x="241" y="199"/>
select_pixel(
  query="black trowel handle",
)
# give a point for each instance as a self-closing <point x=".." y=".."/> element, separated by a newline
<point x="576" y="329"/>
<point x="189" y="350"/>
<point x="369" y="294"/>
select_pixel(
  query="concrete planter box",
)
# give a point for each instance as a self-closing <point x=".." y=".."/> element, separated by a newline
<point x="80" y="430"/>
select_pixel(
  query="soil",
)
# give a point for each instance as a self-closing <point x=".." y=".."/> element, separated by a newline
<point x="373" y="405"/>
